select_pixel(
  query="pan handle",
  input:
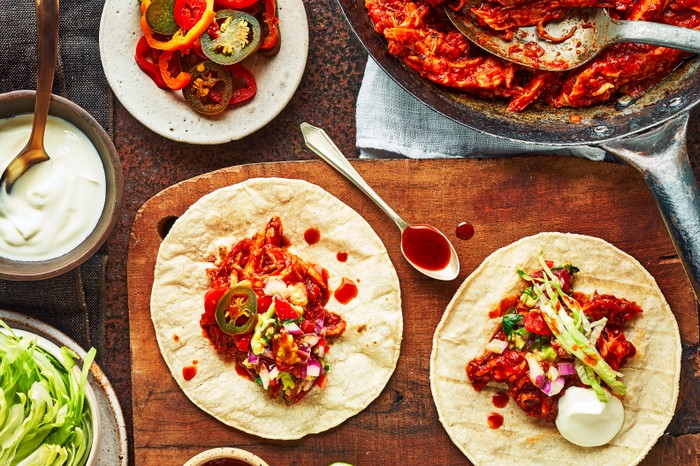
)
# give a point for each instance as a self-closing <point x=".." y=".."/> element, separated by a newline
<point x="661" y="157"/>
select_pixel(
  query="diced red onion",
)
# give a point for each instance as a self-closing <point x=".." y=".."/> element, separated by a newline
<point x="274" y="372"/>
<point x="304" y="352"/>
<point x="293" y="328"/>
<point x="309" y="384"/>
<point x="566" y="368"/>
<point x="313" y="368"/>
<point x="309" y="339"/>
<point x="321" y="351"/>
<point x="319" y="326"/>
<point x="552" y="372"/>
<point x="252" y="358"/>
<point x="264" y="376"/>
<point x="553" y="387"/>
<point x="536" y="373"/>
<point x="497" y="346"/>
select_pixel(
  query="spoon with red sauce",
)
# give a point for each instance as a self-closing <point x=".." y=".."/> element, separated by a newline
<point x="424" y="247"/>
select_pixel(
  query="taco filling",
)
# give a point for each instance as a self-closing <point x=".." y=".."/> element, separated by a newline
<point x="551" y="337"/>
<point x="265" y="308"/>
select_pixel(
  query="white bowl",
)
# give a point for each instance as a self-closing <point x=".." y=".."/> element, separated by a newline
<point x="243" y="456"/>
<point x="20" y="102"/>
<point x="55" y="351"/>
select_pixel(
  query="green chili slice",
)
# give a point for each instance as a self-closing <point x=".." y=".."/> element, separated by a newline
<point x="237" y="303"/>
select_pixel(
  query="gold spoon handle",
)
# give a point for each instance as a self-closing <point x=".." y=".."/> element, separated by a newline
<point x="47" y="34"/>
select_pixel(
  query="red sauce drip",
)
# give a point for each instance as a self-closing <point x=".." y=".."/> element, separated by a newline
<point x="503" y="306"/>
<point x="189" y="372"/>
<point x="226" y="462"/>
<point x="465" y="230"/>
<point x="500" y="399"/>
<point x="312" y="236"/>
<point x="342" y="256"/>
<point x="425" y="247"/>
<point x="346" y="291"/>
<point x="495" y="420"/>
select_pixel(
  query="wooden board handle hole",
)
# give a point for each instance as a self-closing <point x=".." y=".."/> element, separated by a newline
<point x="165" y="225"/>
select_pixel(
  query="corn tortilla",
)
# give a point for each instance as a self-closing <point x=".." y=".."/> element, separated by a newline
<point x="652" y="375"/>
<point x="361" y="360"/>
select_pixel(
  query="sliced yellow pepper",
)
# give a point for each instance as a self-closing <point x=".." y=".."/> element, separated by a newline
<point x="182" y="39"/>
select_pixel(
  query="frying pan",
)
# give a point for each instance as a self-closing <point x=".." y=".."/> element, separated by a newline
<point x="647" y="133"/>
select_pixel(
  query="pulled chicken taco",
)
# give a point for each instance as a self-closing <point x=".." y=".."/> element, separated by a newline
<point x="248" y="313"/>
<point x="559" y="348"/>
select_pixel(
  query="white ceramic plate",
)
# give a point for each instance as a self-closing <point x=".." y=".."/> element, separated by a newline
<point x="113" y="448"/>
<point x="167" y="113"/>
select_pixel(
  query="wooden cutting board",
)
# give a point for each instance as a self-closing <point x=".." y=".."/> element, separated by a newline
<point x="505" y="199"/>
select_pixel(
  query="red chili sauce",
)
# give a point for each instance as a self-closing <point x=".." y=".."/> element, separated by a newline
<point x="425" y="247"/>
<point x="342" y="256"/>
<point x="465" y="230"/>
<point x="346" y="291"/>
<point x="500" y="399"/>
<point x="189" y="372"/>
<point x="495" y="420"/>
<point x="312" y="236"/>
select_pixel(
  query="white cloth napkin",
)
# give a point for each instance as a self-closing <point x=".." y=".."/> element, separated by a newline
<point x="392" y="123"/>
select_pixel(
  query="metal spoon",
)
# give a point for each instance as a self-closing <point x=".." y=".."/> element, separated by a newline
<point x="412" y="236"/>
<point x="34" y="152"/>
<point x="591" y="28"/>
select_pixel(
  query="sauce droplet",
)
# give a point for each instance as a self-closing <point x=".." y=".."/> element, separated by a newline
<point x="500" y="399"/>
<point x="465" y="230"/>
<point x="189" y="372"/>
<point x="346" y="291"/>
<point x="426" y="247"/>
<point x="495" y="420"/>
<point x="312" y="236"/>
<point x="342" y="256"/>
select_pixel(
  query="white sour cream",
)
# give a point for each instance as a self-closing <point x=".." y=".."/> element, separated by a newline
<point x="586" y="421"/>
<point x="56" y="204"/>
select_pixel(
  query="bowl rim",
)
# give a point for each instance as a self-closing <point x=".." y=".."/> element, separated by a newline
<point x="226" y="453"/>
<point x="61" y="107"/>
<point x="52" y="348"/>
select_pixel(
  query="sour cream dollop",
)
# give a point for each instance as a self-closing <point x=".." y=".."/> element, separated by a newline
<point x="586" y="421"/>
<point x="56" y="204"/>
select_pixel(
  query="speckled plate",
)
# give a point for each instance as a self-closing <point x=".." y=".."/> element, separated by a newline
<point x="167" y="113"/>
<point x="114" y="447"/>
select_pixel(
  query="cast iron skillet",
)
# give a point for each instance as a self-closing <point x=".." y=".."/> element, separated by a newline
<point x="647" y="133"/>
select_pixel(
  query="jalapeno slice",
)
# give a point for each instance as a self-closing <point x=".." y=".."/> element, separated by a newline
<point x="237" y="309"/>
<point x="209" y="89"/>
<point x="238" y="37"/>
<point x="160" y="16"/>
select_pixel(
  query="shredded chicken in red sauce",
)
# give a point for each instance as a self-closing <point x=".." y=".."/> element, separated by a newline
<point x="419" y="33"/>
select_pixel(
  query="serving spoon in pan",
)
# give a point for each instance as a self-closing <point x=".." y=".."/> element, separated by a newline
<point x="425" y="247"/>
<point x="574" y="40"/>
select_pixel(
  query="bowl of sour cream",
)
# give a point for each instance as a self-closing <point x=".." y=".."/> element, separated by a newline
<point x="60" y="211"/>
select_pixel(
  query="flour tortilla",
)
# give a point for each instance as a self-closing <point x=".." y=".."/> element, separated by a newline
<point x="361" y="360"/>
<point x="652" y="375"/>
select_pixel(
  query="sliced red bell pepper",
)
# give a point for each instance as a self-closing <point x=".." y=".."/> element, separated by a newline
<point x="182" y="39"/>
<point x="284" y="310"/>
<point x="146" y="60"/>
<point x="169" y="66"/>
<point x="235" y="4"/>
<point x="271" y="42"/>
<point x="242" y="94"/>
<point x="189" y="12"/>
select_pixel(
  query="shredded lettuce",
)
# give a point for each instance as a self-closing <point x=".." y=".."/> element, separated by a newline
<point x="44" y="419"/>
<point x="571" y="332"/>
